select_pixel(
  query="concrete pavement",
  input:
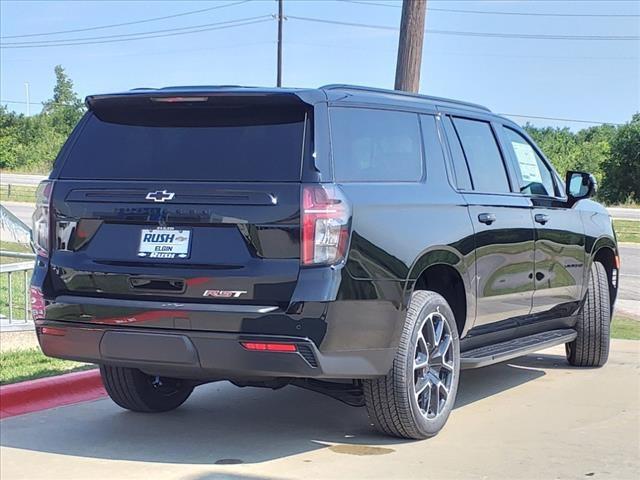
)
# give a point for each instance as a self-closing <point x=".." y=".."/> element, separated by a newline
<point x="532" y="418"/>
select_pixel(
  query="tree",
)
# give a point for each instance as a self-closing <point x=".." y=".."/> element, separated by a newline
<point x="587" y="150"/>
<point x="32" y="143"/>
<point x="622" y="172"/>
<point x="65" y="108"/>
<point x="9" y="137"/>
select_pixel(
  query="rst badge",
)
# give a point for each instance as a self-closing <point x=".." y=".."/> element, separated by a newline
<point x="223" y="293"/>
<point x="164" y="243"/>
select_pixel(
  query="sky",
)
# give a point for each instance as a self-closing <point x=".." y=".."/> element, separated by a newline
<point x="590" y="79"/>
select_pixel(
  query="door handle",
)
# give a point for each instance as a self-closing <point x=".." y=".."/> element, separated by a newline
<point x="487" y="218"/>
<point x="541" y="218"/>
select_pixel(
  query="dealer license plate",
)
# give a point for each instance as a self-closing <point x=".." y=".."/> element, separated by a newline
<point x="164" y="243"/>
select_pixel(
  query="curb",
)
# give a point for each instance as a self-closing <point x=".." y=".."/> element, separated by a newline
<point x="44" y="393"/>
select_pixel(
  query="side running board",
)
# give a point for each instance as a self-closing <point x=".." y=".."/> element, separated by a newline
<point x="500" y="352"/>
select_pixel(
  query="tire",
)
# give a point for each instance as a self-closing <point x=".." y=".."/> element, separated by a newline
<point x="591" y="346"/>
<point x="391" y="401"/>
<point x="139" y="392"/>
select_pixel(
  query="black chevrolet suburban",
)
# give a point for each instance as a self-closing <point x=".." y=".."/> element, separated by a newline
<point x="362" y="243"/>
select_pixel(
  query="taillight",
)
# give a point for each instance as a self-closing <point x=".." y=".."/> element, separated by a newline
<point x="37" y="304"/>
<point x="40" y="231"/>
<point x="326" y="218"/>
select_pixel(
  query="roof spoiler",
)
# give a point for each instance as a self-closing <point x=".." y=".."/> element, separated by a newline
<point x="150" y="98"/>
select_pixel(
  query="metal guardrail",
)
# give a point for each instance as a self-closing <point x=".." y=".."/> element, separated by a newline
<point x="5" y="253"/>
<point x="12" y="228"/>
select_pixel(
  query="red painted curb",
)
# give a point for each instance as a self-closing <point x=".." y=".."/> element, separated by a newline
<point x="43" y="393"/>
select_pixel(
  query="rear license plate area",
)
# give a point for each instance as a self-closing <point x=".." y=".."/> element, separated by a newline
<point x="164" y="243"/>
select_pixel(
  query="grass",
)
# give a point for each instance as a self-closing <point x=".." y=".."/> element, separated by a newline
<point x="627" y="230"/>
<point x="20" y="365"/>
<point x="17" y="193"/>
<point x="625" y="328"/>
<point x="15" y="247"/>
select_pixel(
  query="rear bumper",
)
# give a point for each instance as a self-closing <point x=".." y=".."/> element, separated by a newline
<point x="202" y="355"/>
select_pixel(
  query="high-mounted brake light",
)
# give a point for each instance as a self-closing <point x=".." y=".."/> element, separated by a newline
<point x="326" y="218"/>
<point x="41" y="227"/>
<point x="178" y="99"/>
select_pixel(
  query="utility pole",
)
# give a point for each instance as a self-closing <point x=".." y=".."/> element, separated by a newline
<point x="26" y="89"/>
<point x="410" y="45"/>
<point x="280" y="18"/>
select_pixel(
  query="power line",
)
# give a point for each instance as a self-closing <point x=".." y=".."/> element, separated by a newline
<point x="489" y="12"/>
<point x="155" y="19"/>
<point x="474" y="34"/>
<point x="262" y="19"/>
<point x="20" y="102"/>
<point x="123" y="35"/>
<point x="573" y="120"/>
<point x="474" y="54"/>
<point x="165" y="52"/>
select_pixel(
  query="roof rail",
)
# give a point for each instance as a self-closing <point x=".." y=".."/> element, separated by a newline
<point x="338" y="86"/>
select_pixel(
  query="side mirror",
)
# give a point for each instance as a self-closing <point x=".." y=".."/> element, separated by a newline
<point x="580" y="185"/>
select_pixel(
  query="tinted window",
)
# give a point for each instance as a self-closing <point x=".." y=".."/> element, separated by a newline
<point x="461" y="171"/>
<point x="483" y="156"/>
<point x="263" y="144"/>
<point x="534" y="177"/>
<point x="375" y="145"/>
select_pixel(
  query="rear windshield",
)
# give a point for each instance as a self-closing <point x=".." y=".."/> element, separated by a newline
<point x="178" y="143"/>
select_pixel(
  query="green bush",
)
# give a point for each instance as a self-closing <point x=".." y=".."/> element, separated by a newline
<point x="611" y="154"/>
<point x="30" y="144"/>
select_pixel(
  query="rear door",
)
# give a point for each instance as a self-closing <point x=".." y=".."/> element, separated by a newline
<point x="504" y="233"/>
<point x="182" y="200"/>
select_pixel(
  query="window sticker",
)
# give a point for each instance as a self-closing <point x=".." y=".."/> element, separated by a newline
<point x="527" y="162"/>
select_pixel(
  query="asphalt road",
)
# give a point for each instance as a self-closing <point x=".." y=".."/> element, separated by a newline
<point x="532" y="418"/>
<point x="20" y="179"/>
<point x="625" y="213"/>
<point x="21" y="210"/>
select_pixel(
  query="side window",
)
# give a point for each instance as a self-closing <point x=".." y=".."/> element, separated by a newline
<point x="483" y="156"/>
<point x="534" y="177"/>
<point x="460" y="169"/>
<point x="375" y="145"/>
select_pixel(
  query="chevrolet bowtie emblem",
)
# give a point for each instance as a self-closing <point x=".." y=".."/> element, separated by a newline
<point x="160" y="196"/>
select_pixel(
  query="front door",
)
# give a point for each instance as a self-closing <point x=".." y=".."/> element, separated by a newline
<point x="560" y="240"/>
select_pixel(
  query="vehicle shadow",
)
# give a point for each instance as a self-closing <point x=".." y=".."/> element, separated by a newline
<point x="223" y="424"/>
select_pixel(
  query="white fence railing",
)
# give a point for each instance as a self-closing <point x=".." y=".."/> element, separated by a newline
<point x="15" y="278"/>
